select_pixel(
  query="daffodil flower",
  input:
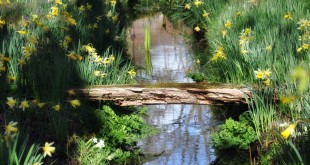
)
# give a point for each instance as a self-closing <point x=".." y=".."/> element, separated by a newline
<point x="259" y="74"/>
<point x="227" y="24"/>
<point x="288" y="131"/>
<point x="11" y="102"/>
<point x="268" y="48"/>
<point x="24" y="104"/>
<point x="187" y="6"/>
<point x="11" y="128"/>
<point x="198" y="2"/>
<point x="22" y="32"/>
<point x="48" y="149"/>
<point x="56" y="107"/>
<point x="197" y="28"/>
<point x="132" y="73"/>
<point x="288" y="15"/>
<point x="75" y="103"/>
<point x="71" y="92"/>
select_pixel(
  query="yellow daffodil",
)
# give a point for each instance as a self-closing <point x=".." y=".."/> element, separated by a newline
<point x="58" y="2"/>
<point x="98" y="73"/>
<point x="99" y="18"/>
<point x="268" y="48"/>
<point x="305" y="46"/>
<point x="132" y="73"/>
<point x="219" y="54"/>
<point x="115" y="18"/>
<point x="11" y="78"/>
<point x="81" y="9"/>
<point x="40" y="105"/>
<point x="88" y="48"/>
<point x="197" y="61"/>
<point x="54" y="11"/>
<point x="11" y="102"/>
<point x="106" y="61"/>
<point x="48" y="149"/>
<point x="267" y="73"/>
<point x="224" y="33"/>
<point x="89" y="6"/>
<point x="72" y="55"/>
<point x="198" y="2"/>
<point x="71" y="92"/>
<point x="2" y="22"/>
<point x="3" y="58"/>
<point x="244" y="51"/>
<point x="56" y="107"/>
<point x="113" y="2"/>
<point x="21" y="62"/>
<point x="228" y="24"/>
<point x="259" y="74"/>
<point x="24" y="104"/>
<point x="288" y="15"/>
<point x="299" y="49"/>
<point x="197" y="29"/>
<point x="22" y="32"/>
<point x="205" y="14"/>
<point x="285" y="100"/>
<point x="112" y="57"/>
<point x="267" y="82"/>
<point x="75" y="103"/>
<point x="187" y="6"/>
<point x="109" y="14"/>
<point x="288" y="131"/>
<point x="11" y="128"/>
<point x="303" y="24"/>
<point x="238" y="13"/>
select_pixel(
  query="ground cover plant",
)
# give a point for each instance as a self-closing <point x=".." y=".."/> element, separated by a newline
<point x="47" y="48"/>
<point x="262" y="44"/>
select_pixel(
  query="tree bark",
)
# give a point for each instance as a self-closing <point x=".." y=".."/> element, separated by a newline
<point x="127" y="96"/>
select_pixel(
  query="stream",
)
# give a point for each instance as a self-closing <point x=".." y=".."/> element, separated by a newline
<point x="185" y="130"/>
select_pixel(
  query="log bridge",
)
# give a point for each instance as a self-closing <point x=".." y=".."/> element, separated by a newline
<point x="177" y="93"/>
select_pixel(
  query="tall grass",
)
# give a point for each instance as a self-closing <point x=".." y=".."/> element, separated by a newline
<point x="147" y="47"/>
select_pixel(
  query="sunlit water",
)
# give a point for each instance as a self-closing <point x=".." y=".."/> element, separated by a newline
<point x="185" y="130"/>
<point x="170" y="55"/>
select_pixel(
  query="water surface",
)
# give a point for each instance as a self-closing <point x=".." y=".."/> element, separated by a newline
<point x="185" y="130"/>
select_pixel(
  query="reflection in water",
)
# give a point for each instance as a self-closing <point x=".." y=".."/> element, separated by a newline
<point x="170" y="57"/>
<point x="185" y="129"/>
<point x="184" y="137"/>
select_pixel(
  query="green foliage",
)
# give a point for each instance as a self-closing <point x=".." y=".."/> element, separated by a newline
<point x="96" y="151"/>
<point x="17" y="151"/>
<point x="120" y="134"/>
<point x="234" y="134"/>
<point x="197" y="76"/>
<point x="122" y="130"/>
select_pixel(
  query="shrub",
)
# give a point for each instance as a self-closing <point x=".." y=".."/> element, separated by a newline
<point x="197" y="76"/>
<point x="234" y="134"/>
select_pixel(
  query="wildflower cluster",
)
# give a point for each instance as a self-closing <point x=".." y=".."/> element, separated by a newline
<point x="98" y="144"/>
<point x="305" y="35"/>
<point x="2" y="22"/>
<point x="26" y="104"/>
<point x="196" y="3"/>
<point x="3" y="60"/>
<point x="263" y="75"/>
<point x="219" y="54"/>
<point x="132" y="73"/>
<point x="245" y="37"/>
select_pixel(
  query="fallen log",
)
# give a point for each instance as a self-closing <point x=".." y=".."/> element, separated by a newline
<point x="131" y="95"/>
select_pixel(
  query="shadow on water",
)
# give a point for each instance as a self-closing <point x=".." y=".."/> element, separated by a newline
<point x="185" y="129"/>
